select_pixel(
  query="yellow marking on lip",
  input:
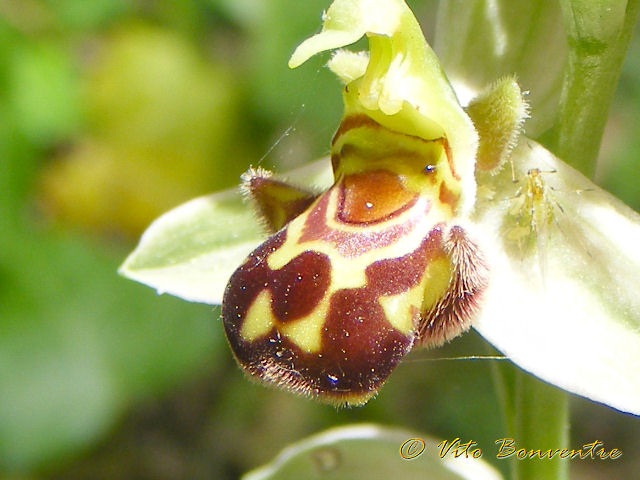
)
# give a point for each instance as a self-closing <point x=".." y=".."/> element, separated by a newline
<point x="436" y="277"/>
<point x="405" y="244"/>
<point x="398" y="309"/>
<point x="346" y="275"/>
<point x="306" y="332"/>
<point x="259" y="320"/>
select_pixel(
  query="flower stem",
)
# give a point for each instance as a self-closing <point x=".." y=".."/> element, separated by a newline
<point x="537" y="418"/>
<point x="598" y="36"/>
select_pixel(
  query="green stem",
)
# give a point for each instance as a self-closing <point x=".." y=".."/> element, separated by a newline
<point x="536" y="417"/>
<point x="598" y="36"/>
<point x="541" y="422"/>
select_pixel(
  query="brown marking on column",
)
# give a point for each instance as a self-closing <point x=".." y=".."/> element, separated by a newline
<point x="372" y="196"/>
<point x="354" y="121"/>
<point x="335" y="159"/>
<point x="448" y="197"/>
<point x="362" y="120"/>
<point x="448" y="153"/>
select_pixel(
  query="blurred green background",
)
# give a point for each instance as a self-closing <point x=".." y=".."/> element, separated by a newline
<point x="112" y="112"/>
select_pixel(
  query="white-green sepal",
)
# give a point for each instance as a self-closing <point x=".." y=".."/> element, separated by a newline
<point x="564" y="298"/>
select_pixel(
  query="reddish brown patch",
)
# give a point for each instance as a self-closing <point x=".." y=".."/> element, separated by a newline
<point x="392" y="276"/>
<point x="296" y="289"/>
<point x="360" y="348"/>
<point x="278" y="202"/>
<point x="349" y="243"/>
<point x="363" y="202"/>
<point x="246" y="283"/>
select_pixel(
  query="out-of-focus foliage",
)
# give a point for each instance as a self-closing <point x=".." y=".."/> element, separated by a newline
<point x="112" y="112"/>
<point x="616" y="171"/>
<point x="162" y="124"/>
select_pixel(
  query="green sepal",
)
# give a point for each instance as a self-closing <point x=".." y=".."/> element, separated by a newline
<point x="563" y="300"/>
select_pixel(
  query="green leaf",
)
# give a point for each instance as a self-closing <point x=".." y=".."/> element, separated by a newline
<point x="563" y="300"/>
<point x="371" y="452"/>
<point x="192" y="250"/>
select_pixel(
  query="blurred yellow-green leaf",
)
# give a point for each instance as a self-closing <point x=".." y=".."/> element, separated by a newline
<point x="161" y="125"/>
<point x="42" y="91"/>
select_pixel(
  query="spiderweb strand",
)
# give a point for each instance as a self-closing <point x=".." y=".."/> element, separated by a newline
<point x="468" y="357"/>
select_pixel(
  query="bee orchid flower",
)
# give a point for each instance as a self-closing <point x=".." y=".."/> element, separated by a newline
<point x="427" y="218"/>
